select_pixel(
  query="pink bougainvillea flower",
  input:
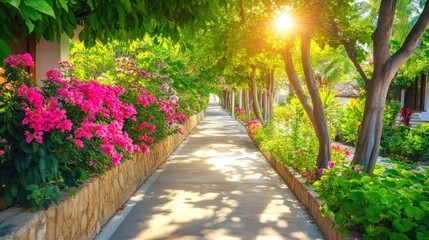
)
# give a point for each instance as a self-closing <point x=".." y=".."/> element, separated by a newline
<point x="145" y="98"/>
<point x="91" y="163"/>
<point x="1" y="152"/>
<point x="79" y="143"/>
<point x="143" y="73"/>
<point x="20" y="60"/>
<point x="42" y="115"/>
<point x="54" y="74"/>
<point x="358" y="170"/>
<point x="321" y="171"/>
<point x="331" y="164"/>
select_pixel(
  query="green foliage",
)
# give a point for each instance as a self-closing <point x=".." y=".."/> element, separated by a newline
<point x="406" y="144"/>
<point x="290" y="138"/>
<point x="332" y="109"/>
<point x="351" y="120"/>
<point x="391" y="204"/>
<point x="34" y="173"/>
<point x="98" y="62"/>
<point x="91" y="63"/>
<point x="104" y="20"/>
<point x="391" y="112"/>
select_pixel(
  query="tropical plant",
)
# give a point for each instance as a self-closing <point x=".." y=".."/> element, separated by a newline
<point x="390" y="204"/>
<point x="351" y="120"/>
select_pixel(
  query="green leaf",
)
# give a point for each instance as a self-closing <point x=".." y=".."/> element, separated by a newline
<point x="63" y="4"/>
<point x="374" y="231"/>
<point x="5" y="51"/>
<point x="31" y="187"/>
<point x="26" y="147"/>
<point x="54" y="165"/>
<point x="41" y="152"/>
<point x="413" y="212"/>
<point x="424" y="205"/>
<point x="340" y="218"/>
<point x="14" y="3"/>
<point x="41" y="6"/>
<point x="356" y="195"/>
<point x="127" y="5"/>
<point x="373" y="213"/>
<point x="35" y="146"/>
<point x="402" y="225"/>
<point x="13" y="190"/>
<point x="373" y="197"/>
<point x="121" y="16"/>
<point x="422" y="236"/>
<point x="397" y="236"/>
<point x="42" y="168"/>
<point x="8" y="197"/>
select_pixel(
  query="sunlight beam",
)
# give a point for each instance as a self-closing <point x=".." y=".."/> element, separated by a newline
<point x="284" y="21"/>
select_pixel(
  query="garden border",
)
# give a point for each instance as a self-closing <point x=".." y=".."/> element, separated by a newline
<point x="307" y="196"/>
<point x="95" y="201"/>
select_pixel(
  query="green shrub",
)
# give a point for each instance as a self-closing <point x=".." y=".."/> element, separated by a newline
<point x="391" y="112"/>
<point x="351" y="120"/>
<point x="332" y="109"/>
<point x="390" y="204"/>
<point x="406" y="144"/>
<point x="290" y="138"/>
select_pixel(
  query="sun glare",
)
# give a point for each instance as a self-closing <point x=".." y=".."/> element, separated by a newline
<point x="284" y="22"/>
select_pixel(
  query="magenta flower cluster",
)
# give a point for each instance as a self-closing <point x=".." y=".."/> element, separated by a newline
<point x="20" y="60"/>
<point x="97" y="101"/>
<point x="102" y="113"/>
<point x="42" y="116"/>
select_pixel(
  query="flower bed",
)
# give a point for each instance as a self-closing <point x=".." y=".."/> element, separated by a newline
<point x="95" y="202"/>
<point x="55" y="136"/>
<point x="392" y="203"/>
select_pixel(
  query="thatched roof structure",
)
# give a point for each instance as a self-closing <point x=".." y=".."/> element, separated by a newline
<point x="347" y="89"/>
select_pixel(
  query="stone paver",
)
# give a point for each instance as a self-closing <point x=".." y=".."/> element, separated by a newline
<point x="216" y="185"/>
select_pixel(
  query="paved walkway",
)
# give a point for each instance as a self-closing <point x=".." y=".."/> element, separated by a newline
<point x="216" y="185"/>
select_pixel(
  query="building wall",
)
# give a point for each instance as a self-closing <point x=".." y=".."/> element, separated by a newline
<point x="45" y="54"/>
<point x="48" y="54"/>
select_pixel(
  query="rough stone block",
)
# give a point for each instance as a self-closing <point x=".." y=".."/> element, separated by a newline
<point x="41" y="233"/>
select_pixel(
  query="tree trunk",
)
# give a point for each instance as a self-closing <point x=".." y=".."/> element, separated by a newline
<point x="233" y="104"/>
<point x="265" y="104"/>
<point x="294" y="82"/>
<point x="320" y="124"/>
<point x="254" y="91"/>
<point x="240" y="99"/>
<point x="225" y="100"/>
<point x="247" y="104"/>
<point x="222" y="100"/>
<point x="368" y="143"/>
<point x="270" y="94"/>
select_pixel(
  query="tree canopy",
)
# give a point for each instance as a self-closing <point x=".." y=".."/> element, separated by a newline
<point x="102" y="20"/>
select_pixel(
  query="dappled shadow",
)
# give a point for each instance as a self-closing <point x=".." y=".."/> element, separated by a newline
<point x="217" y="186"/>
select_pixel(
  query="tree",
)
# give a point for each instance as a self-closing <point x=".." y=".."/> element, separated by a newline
<point x="314" y="109"/>
<point x="386" y="65"/>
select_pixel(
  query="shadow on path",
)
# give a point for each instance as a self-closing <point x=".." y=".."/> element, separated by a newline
<point x="217" y="185"/>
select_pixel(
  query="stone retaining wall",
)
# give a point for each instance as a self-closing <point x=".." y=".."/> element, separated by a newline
<point x="95" y="202"/>
<point x="307" y="196"/>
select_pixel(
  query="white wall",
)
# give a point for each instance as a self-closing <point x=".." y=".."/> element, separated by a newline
<point x="48" y="54"/>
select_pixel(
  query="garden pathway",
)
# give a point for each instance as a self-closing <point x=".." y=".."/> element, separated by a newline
<point x="216" y="185"/>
